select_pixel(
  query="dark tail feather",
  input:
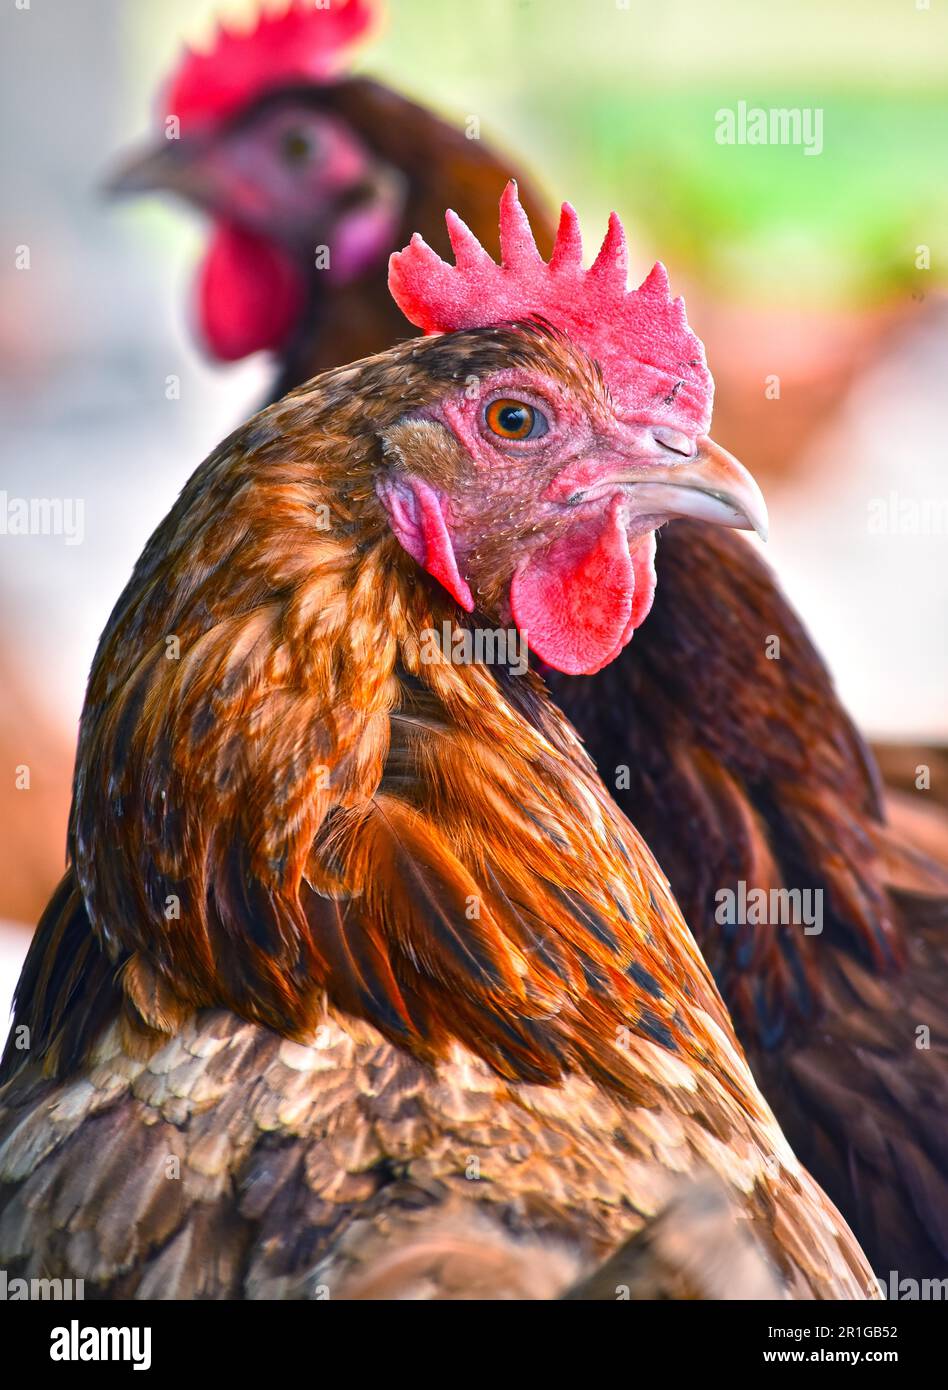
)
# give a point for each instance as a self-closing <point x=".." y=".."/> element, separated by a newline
<point x="66" y="990"/>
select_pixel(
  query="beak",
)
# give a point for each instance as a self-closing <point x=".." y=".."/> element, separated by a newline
<point x="710" y="486"/>
<point x="169" y="165"/>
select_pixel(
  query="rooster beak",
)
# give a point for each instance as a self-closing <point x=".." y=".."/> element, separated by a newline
<point x="167" y="166"/>
<point x="711" y="485"/>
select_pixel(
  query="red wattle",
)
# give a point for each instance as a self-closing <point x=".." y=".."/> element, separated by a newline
<point x="250" y="294"/>
<point x="576" y="599"/>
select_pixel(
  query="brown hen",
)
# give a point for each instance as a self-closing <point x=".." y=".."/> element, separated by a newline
<point x="359" y="979"/>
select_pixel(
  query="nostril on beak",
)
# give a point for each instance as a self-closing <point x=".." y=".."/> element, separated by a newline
<point x="675" y="441"/>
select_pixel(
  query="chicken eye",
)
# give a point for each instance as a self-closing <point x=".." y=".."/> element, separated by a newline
<point x="296" y="147"/>
<point x="515" y="420"/>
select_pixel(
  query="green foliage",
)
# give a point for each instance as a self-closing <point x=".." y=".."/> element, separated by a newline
<point x="838" y="227"/>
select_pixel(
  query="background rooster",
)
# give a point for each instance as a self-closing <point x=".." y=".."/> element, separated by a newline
<point x="312" y="180"/>
<point x="736" y="766"/>
<point x="348" y="929"/>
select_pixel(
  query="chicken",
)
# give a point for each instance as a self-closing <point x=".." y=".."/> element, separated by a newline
<point x="312" y="179"/>
<point x="735" y="766"/>
<point x="359" y="980"/>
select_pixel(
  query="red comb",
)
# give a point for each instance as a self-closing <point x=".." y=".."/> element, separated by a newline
<point x="302" y="42"/>
<point x="641" y="339"/>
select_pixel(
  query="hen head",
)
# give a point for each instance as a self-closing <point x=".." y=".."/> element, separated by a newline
<point x="532" y="491"/>
<point x="258" y="133"/>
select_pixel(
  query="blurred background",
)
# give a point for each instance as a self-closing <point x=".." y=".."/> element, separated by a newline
<point x="817" y="281"/>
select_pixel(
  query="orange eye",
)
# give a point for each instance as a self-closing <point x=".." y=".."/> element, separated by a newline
<point x="514" y="420"/>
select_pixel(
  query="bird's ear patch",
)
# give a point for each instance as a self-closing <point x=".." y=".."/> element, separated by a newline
<point x="416" y="515"/>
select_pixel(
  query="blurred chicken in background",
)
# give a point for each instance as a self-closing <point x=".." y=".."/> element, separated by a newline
<point x="312" y="180"/>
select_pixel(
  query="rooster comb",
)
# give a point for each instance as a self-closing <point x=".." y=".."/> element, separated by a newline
<point x="300" y="42"/>
<point x="650" y="358"/>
